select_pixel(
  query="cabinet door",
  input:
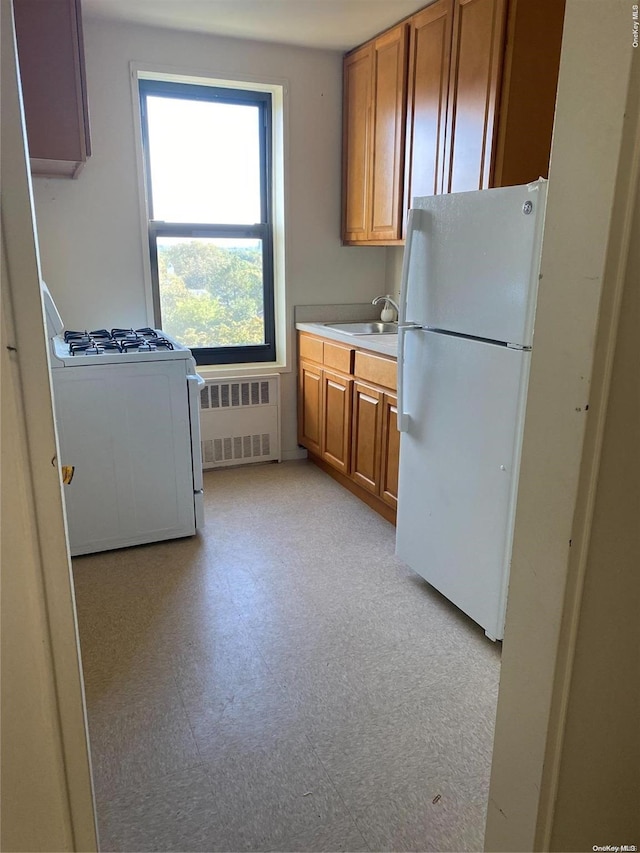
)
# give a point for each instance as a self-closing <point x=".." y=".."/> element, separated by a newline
<point x="390" y="453"/>
<point x="387" y="161"/>
<point x="528" y="91"/>
<point x="336" y="420"/>
<point x="310" y="407"/>
<point x="356" y="143"/>
<point x="476" y="64"/>
<point x="49" y="41"/>
<point x="367" y="429"/>
<point x="427" y="91"/>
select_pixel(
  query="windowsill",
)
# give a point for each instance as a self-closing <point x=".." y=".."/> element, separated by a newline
<point x="222" y="371"/>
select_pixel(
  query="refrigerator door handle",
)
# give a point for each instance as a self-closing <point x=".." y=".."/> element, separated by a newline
<point x="403" y="326"/>
<point x="194" y="383"/>
<point x="403" y="417"/>
<point x="406" y="261"/>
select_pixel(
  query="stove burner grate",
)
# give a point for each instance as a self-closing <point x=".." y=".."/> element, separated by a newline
<point x="97" y="334"/>
<point x="86" y="347"/>
<point x="99" y="341"/>
<point x="141" y="344"/>
<point x="134" y="334"/>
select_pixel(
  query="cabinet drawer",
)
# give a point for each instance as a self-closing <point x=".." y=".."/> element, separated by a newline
<point x="374" y="368"/>
<point x="338" y="357"/>
<point x="310" y="348"/>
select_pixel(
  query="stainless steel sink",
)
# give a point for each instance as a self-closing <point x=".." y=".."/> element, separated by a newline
<point x="369" y="328"/>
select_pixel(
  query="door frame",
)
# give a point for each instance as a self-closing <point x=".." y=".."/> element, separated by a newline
<point x="593" y="183"/>
<point x="47" y="782"/>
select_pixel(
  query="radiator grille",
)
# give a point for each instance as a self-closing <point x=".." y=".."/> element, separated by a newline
<point x="236" y="448"/>
<point x="225" y="395"/>
<point x="240" y="421"/>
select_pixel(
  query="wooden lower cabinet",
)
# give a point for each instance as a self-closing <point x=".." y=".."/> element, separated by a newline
<point x="375" y="444"/>
<point x="390" y="451"/>
<point x="310" y="406"/>
<point x="349" y="425"/>
<point x="336" y="420"/>
<point x="367" y="432"/>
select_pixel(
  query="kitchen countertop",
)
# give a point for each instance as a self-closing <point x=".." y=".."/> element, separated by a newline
<point x="383" y="344"/>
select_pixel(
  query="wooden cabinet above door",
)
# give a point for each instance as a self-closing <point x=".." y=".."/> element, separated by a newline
<point x="373" y="139"/>
<point x="51" y="57"/>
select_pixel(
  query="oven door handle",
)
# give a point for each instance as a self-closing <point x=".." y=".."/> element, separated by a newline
<point x="194" y="383"/>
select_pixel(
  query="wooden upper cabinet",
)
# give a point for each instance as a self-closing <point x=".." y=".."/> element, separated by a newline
<point x="476" y="64"/>
<point x="356" y="142"/>
<point x="51" y="58"/>
<point x="387" y="156"/>
<point x="528" y="96"/>
<point x="373" y="139"/>
<point x="505" y="58"/>
<point x="480" y="88"/>
<point x="427" y="92"/>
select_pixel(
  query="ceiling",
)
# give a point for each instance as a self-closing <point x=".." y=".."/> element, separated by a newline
<point x="328" y="24"/>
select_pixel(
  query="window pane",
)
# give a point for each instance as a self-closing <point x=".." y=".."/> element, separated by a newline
<point x="205" y="161"/>
<point x="211" y="290"/>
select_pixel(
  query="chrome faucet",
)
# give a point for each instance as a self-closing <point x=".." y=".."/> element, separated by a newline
<point x="387" y="300"/>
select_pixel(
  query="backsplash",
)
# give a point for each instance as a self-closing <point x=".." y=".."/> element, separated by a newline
<point x="339" y="313"/>
<point x="393" y="271"/>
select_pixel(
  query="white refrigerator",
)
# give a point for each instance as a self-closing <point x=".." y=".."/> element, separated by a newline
<point x="467" y="308"/>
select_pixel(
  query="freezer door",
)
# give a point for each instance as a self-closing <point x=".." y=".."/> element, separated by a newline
<point x="473" y="262"/>
<point x="459" y="468"/>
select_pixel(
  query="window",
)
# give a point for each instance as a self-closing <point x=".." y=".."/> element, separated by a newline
<point x="208" y="167"/>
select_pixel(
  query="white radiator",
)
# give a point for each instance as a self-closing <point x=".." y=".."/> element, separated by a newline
<point x="240" y="421"/>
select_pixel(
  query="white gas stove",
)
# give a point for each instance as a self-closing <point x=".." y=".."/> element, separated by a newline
<point x="127" y="407"/>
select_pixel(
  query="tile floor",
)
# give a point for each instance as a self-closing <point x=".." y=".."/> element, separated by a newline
<point x="282" y="682"/>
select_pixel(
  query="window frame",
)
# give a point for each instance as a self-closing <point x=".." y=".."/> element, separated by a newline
<point x="263" y="231"/>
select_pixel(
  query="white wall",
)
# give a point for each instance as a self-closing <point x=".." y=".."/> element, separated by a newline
<point x="393" y="270"/>
<point x="91" y="239"/>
